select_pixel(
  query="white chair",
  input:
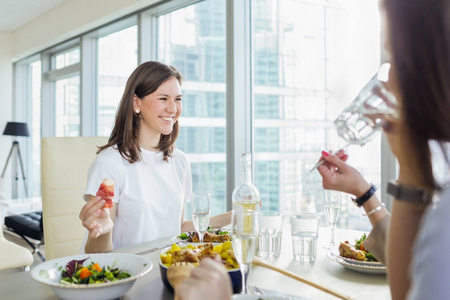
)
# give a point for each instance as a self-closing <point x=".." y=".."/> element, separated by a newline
<point x="13" y="255"/>
<point x="64" y="165"/>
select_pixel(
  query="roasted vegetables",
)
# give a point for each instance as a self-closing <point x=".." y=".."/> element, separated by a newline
<point x="193" y="254"/>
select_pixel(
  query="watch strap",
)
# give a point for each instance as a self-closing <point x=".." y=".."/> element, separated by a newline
<point x="407" y="194"/>
<point x="361" y="200"/>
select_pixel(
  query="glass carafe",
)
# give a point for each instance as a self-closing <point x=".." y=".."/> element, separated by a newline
<point x="246" y="195"/>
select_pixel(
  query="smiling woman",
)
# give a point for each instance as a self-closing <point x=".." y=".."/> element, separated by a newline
<point x="158" y="112"/>
<point x="151" y="178"/>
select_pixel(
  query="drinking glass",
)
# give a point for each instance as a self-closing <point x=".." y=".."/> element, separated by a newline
<point x="245" y="230"/>
<point x="304" y="232"/>
<point x="201" y="209"/>
<point x="332" y="207"/>
<point x="270" y="224"/>
<point x="364" y="116"/>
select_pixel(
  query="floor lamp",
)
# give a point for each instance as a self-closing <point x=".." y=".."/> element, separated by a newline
<point x="16" y="129"/>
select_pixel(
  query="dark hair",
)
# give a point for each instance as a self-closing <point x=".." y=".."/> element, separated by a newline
<point x="419" y="39"/>
<point x="146" y="79"/>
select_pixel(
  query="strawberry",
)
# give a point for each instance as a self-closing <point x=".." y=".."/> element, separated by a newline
<point x="106" y="192"/>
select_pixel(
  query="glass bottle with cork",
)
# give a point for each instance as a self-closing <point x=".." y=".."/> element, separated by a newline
<point x="246" y="196"/>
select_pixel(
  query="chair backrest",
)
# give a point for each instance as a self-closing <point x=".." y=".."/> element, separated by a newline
<point x="64" y="165"/>
<point x="13" y="255"/>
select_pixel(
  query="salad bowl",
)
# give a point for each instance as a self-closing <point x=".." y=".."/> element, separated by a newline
<point x="50" y="273"/>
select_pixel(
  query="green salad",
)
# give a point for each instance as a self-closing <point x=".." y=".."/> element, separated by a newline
<point x="189" y="234"/>
<point x="76" y="273"/>
<point x="359" y="246"/>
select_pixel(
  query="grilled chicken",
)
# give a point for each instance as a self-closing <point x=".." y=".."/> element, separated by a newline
<point x="348" y="251"/>
<point x="185" y="255"/>
<point x="210" y="237"/>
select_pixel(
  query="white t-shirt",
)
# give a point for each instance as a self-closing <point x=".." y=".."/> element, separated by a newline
<point x="430" y="271"/>
<point x="150" y="194"/>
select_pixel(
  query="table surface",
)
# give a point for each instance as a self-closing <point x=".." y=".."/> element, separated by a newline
<point x="324" y="271"/>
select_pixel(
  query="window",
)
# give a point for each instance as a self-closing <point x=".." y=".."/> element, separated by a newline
<point x="67" y="106"/>
<point x="192" y="39"/>
<point x="310" y="59"/>
<point x="34" y="69"/>
<point x="67" y="58"/>
<point x="117" y="58"/>
<point x="61" y="67"/>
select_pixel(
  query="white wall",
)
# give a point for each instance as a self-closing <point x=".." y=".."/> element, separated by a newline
<point x="5" y="101"/>
<point x="70" y="19"/>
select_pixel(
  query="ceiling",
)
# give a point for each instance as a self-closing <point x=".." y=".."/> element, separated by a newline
<point x="15" y="13"/>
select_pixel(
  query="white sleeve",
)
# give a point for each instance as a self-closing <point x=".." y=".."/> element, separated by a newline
<point x="102" y="168"/>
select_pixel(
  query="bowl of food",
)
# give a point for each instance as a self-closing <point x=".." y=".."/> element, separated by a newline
<point x="193" y="253"/>
<point x="92" y="276"/>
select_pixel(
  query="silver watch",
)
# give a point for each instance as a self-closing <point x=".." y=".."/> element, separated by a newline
<point x="408" y="194"/>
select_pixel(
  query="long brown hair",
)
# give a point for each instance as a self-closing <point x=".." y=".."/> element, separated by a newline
<point x="146" y="79"/>
<point x="419" y="39"/>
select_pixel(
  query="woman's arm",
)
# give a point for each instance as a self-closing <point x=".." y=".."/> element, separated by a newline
<point x="99" y="221"/>
<point x="339" y="176"/>
<point x="403" y="230"/>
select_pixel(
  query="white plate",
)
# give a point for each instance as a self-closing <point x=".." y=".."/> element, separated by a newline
<point x="362" y="263"/>
<point x="257" y="297"/>
<point x="368" y="269"/>
<point x="49" y="273"/>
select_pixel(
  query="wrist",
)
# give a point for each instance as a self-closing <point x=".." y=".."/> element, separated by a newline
<point x="361" y="189"/>
<point x="365" y="197"/>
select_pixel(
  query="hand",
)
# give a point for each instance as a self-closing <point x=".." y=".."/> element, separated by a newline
<point x="210" y="280"/>
<point x="391" y="129"/>
<point x="339" y="176"/>
<point x="95" y="218"/>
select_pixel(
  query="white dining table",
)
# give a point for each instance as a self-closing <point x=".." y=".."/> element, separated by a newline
<point x="324" y="271"/>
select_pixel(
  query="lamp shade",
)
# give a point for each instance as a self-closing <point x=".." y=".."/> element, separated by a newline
<point x="16" y="128"/>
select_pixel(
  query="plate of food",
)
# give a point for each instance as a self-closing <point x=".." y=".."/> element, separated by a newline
<point x="192" y="253"/>
<point x="356" y="257"/>
<point x="212" y="235"/>
<point x="92" y="276"/>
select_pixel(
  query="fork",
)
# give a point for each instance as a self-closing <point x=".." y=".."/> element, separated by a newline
<point x="158" y="248"/>
<point x="256" y="290"/>
<point x="322" y="161"/>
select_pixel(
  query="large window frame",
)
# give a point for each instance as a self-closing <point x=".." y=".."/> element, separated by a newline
<point x="239" y="101"/>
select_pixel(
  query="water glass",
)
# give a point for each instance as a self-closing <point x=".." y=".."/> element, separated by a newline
<point x="305" y="231"/>
<point x="245" y="230"/>
<point x="364" y="117"/>
<point x="201" y="209"/>
<point x="270" y="224"/>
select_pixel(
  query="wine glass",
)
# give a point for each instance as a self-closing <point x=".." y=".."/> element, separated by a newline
<point x="201" y="209"/>
<point x="245" y="229"/>
<point x="332" y="207"/>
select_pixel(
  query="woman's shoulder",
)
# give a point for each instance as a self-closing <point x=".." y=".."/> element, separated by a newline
<point x="180" y="156"/>
<point x="110" y="154"/>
